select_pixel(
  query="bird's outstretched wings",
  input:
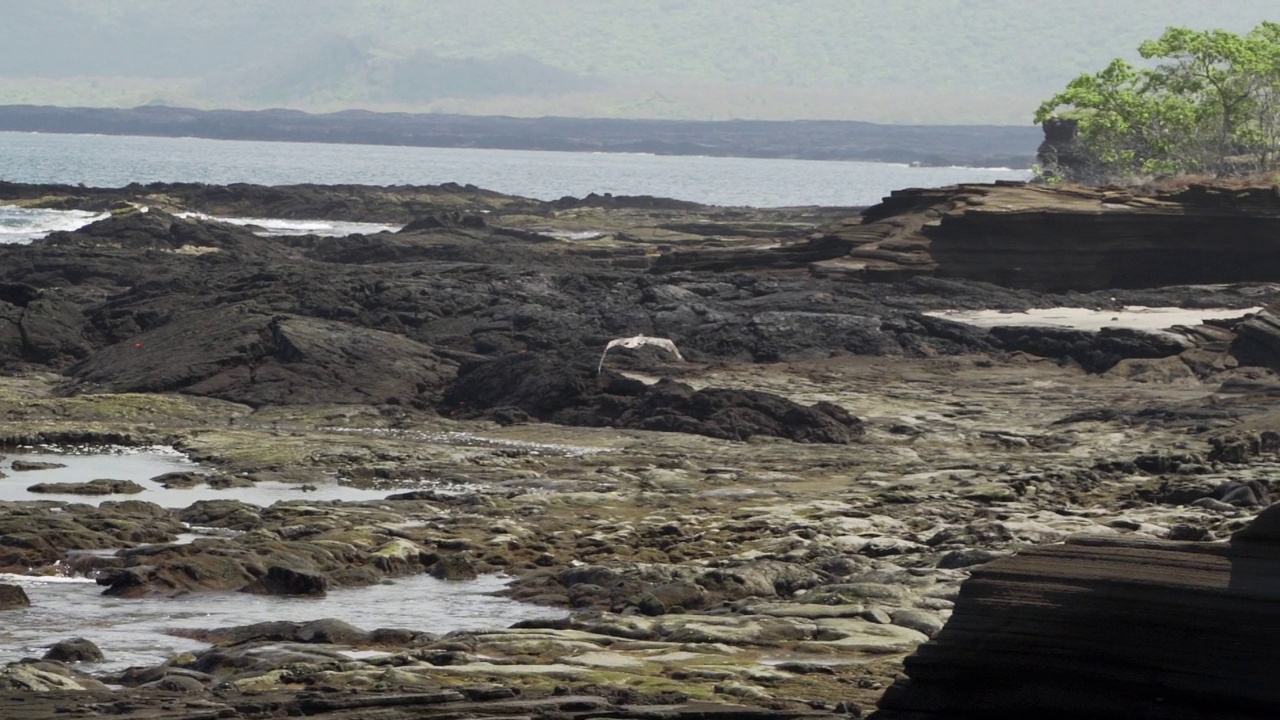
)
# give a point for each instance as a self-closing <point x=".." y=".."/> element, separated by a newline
<point x="636" y="341"/>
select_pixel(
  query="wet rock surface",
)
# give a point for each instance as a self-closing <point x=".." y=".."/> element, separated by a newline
<point x="12" y="596"/>
<point x="831" y="481"/>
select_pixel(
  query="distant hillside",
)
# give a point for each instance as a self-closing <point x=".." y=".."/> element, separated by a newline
<point x="932" y="61"/>
<point x="983" y="146"/>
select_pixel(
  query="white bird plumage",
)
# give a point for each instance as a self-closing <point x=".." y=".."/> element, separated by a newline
<point x="636" y="341"/>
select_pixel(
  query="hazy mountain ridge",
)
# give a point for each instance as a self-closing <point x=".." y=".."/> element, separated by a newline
<point x="938" y="61"/>
<point x="982" y="146"/>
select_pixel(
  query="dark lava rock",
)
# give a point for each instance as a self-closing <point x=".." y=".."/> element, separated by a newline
<point x="331" y="631"/>
<point x="671" y="597"/>
<point x="74" y="650"/>
<point x="12" y="596"/>
<point x="437" y="221"/>
<point x="572" y="394"/>
<point x="1095" y="351"/>
<point x="968" y="557"/>
<point x="152" y="229"/>
<point x="325" y="631"/>
<point x="101" y="486"/>
<point x="175" y="684"/>
<point x="1257" y="340"/>
<point x="181" y="479"/>
<point x="240" y="354"/>
<point x="456" y="566"/>
<point x="284" y="581"/>
<point x="46" y="329"/>
<point x="229" y="514"/>
<point x="29" y="465"/>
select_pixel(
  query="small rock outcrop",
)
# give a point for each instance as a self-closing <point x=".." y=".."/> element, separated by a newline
<point x="527" y="385"/>
<point x="74" y="650"/>
<point x="101" y="486"/>
<point x="284" y="581"/>
<point x="1063" y="155"/>
<point x="241" y="354"/>
<point x="13" y="596"/>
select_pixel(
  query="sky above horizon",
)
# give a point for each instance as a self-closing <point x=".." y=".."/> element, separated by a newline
<point x="906" y="61"/>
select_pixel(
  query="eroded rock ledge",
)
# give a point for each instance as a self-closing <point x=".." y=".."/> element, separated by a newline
<point x="1104" y="627"/>
<point x="1038" y="237"/>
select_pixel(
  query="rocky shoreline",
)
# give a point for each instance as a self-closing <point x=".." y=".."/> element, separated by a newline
<point x="835" y="491"/>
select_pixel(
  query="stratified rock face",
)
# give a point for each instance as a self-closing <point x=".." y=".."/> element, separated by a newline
<point x="1061" y="239"/>
<point x="1109" y="628"/>
<point x="1257" y="340"/>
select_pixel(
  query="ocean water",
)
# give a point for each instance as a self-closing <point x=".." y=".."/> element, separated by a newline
<point x="113" y="161"/>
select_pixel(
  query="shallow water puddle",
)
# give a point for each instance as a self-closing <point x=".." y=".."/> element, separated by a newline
<point x="140" y="465"/>
<point x="1133" y="317"/>
<point x="133" y="631"/>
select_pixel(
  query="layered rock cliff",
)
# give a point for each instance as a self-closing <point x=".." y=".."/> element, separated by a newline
<point x="1109" y="628"/>
<point x="1058" y="239"/>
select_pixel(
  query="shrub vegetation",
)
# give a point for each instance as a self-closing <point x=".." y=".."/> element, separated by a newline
<point x="1209" y="103"/>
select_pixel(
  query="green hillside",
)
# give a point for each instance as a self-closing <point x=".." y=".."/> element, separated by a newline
<point x="938" y="61"/>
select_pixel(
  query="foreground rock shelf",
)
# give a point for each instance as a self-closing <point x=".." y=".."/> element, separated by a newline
<point x="1109" y="628"/>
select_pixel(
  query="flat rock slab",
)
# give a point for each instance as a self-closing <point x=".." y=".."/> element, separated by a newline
<point x="605" y="660"/>
<point x="101" y="486"/>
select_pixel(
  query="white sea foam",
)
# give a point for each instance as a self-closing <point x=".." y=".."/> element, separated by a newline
<point x="19" y="226"/>
<point x="275" y="227"/>
<point x="34" y="580"/>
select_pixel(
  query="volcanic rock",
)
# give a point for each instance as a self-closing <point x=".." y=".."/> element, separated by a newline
<point x="100" y="486"/>
<point x="284" y="581"/>
<point x="571" y="394"/>
<point x="1094" y="351"/>
<point x="28" y="465"/>
<point x="1063" y="238"/>
<point x="1257" y="340"/>
<point x="74" y="650"/>
<point x="1108" y="628"/>
<point x="12" y="596"/>
<point x="454" y="566"/>
<point x="240" y="354"/>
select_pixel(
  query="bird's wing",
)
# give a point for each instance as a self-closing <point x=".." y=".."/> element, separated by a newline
<point x="667" y="345"/>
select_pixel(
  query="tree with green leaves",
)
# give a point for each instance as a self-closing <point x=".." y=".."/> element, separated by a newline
<point x="1210" y="103"/>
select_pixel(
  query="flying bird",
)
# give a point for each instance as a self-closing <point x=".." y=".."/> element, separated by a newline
<point x="635" y="342"/>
